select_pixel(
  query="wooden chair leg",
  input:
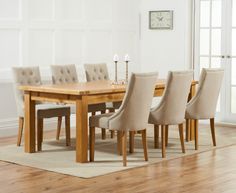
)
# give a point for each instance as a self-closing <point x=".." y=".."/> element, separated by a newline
<point x="39" y="133"/>
<point x="163" y="132"/>
<point x="124" y="143"/>
<point x="112" y="132"/>
<point x="59" y="120"/>
<point x="181" y="136"/>
<point x="196" y="133"/>
<point x="119" y="143"/>
<point x="91" y="143"/>
<point x="156" y="136"/>
<point x="167" y="135"/>
<point x="131" y="141"/>
<point x="103" y="130"/>
<point x="67" y="128"/>
<point x="212" y="123"/>
<point x="187" y="132"/>
<point x="144" y="141"/>
<point x="20" y="130"/>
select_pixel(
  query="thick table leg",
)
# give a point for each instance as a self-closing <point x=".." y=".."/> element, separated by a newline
<point x="29" y="123"/>
<point x="82" y="130"/>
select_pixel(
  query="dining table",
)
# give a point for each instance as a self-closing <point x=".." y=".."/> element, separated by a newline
<point x="81" y="95"/>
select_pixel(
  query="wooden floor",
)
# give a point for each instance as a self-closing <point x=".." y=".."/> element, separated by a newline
<point x="213" y="172"/>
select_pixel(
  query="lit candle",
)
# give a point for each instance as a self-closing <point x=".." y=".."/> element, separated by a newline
<point x="116" y="58"/>
<point x="127" y="58"/>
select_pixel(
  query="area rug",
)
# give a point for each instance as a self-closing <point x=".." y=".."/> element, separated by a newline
<point x="56" y="157"/>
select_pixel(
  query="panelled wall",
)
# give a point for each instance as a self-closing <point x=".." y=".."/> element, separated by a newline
<point x="45" y="32"/>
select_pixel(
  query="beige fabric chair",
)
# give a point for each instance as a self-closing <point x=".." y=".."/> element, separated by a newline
<point x="131" y="116"/>
<point x="64" y="74"/>
<point x="203" y="104"/>
<point x="171" y="109"/>
<point x="97" y="72"/>
<point x="31" y="76"/>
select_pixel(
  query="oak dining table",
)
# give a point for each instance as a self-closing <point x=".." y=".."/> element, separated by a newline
<point x="81" y="95"/>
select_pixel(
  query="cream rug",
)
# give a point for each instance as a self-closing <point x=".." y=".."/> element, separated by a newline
<point x="56" y="157"/>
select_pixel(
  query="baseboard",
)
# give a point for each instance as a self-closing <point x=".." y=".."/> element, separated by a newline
<point x="9" y="127"/>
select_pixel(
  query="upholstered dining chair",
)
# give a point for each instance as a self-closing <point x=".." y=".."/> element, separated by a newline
<point x="203" y="104"/>
<point x="171" y="109"/>
<point x="65" y="74"/>
<point x="96" y="72"/>
<point x="131" y="116"/>
<point x="31" y="76"/>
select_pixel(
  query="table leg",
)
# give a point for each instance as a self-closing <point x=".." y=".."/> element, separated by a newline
<point x="192" y="125"/>
<point x="29" y="123"/>
<point x="82" y="130"/>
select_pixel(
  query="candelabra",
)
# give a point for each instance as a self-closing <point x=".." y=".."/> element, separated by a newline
<point x="127" y="59"/>
<point x="116" y="59"/>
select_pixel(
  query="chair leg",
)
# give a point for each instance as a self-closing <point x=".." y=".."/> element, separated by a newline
<point x="103" y="130"/>
<point x="131" y="141"/>
<point x="112" y="132"/>
<point x="59" y="120"/>
<point x="163" y="132"/>
<point x="156" y="136"/>
<point x="167" y="135"/>
<point x="119" y="142"/>
<point x="181" y="136"/>
<point x="91" y="143"/>
<point x="212" y="123"/>
<point x="67" y="127"/>
<point x="196" y="133"/>
<point x="39" y="133"/>
<point x="187" y="132"/>
<point x="124" y="142"/>
<point x="20" y="130"/>
<point x="144" y="141"/>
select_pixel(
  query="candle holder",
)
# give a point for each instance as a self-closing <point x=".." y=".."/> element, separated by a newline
<point x="115" y="59"/>
<point x="127" y="59"/>
<point x="116" y="76"/>
<point x="127" y="72"/>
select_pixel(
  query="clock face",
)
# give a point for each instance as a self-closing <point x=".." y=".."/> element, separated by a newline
<point x="161" y="19"/>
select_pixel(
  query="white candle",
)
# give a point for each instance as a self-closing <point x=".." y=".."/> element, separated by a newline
<point x="116" y="58"/>
<point x="127" y="58"/>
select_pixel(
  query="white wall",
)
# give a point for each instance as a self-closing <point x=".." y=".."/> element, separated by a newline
<point x="164" y="50"/>
<point x="45" y="32"/>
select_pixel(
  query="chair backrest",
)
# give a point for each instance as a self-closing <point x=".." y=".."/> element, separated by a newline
<point x="203" y="104"/>
<point x="62" y="74"/>
<point x="171" y="109"/>
<point x="95" y="72"/>
<point x="24" y="76"/>
<point x="134" y="111"/>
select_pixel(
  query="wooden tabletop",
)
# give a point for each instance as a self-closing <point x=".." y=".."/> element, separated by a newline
<point x="84" y="88"/>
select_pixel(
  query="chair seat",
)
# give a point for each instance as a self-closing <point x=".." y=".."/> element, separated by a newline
<point x="100" y="120"/>
<point x="113" y="105"/>
<point x="158" y="119"/>
<point x="50" y="111"/>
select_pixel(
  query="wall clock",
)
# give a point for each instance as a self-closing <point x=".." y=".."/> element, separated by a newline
<point x="161" y="19"/>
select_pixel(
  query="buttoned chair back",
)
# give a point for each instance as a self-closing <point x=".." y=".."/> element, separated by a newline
<point x="203" y="104"/>
<point x="24" y="76"/>
<point x="171" y="109"/>
<point x="63" y="74"/>
<point x="134" y="111"/>
<point x="95" y="72"/>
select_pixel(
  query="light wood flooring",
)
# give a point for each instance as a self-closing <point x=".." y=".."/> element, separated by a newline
<point x="213" y="171"/>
